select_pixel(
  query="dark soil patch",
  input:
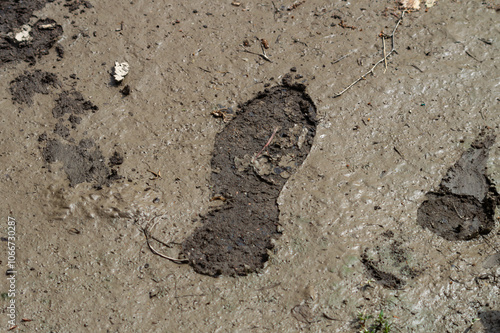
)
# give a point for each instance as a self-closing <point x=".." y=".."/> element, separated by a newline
<point x="61" y="130"/>
<point x="235" y="238"/>
<point x="15" y="13"/>
<point x="44" y="34"/>
<point x="77" y="4"/>
<point x="386" y="279"/>
<point x="116" y="159"/>
<point x="490" y="321"/>
<point x="82" y="163"/>
<point x="25" y="86"/>
<point x="464" y="206"/>
<point x="74" y="103"/>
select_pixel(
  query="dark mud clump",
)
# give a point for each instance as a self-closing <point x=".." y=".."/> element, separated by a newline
<point x="25" y="86"/>
<point x="388" y="280"/>
<point x="62" y="130"/>
<point x="82" y="163"/>
<point x="464" y="206"/>
<point x="42" y="36"/>
<point x="74" y="103"/>
<point x="74" y="5"/>
<point x="255" y="154"/>
<point x="15" y="13"/>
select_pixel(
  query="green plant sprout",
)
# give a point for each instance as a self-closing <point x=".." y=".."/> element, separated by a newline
<point x="381" y="323"/>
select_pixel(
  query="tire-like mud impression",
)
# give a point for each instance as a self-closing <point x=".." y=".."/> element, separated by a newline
<point x="255" y="154"/>
<point x="464" y="206"/>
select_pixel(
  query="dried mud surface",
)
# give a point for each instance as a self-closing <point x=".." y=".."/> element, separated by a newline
<point x="86" y="165"/>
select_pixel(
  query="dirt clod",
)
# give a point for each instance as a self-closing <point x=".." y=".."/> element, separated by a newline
<point x="24" y="87"/>
<point x="41" y="40"/>
<point x="72" y="102"/>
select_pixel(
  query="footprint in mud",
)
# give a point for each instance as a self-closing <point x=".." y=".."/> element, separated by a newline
<point x="83" y="162"/>
<point x="255" y="154"/>
<point x="464" y="206"/>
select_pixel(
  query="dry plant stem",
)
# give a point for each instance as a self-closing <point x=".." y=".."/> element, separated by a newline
<point x="339" y="59"/>
<point x="385" y="55"/>
<point x="384" y="59"/>
<point x="147" y="232"/>
<point x="268" y="142"/>
<point x="264" y="56"/>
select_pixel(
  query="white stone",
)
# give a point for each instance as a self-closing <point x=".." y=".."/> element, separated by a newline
<point x="23" y="35"/>
<point x="120" y="71"/>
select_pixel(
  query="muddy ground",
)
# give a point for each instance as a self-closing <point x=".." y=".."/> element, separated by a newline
<point x="353" y="211"/>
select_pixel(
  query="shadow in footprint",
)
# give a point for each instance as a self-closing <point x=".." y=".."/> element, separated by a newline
<point x="490" y="321"/>
<point x="464" y="206"/>
<point x="255" y="154"/>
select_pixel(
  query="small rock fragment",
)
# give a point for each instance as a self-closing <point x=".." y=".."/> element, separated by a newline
<point x="120" y="71"/>
<point x="22" y="36"/>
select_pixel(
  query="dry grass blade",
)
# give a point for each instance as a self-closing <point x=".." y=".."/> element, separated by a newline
<point x="147" y="233"/>
<point x="384" y="59"/>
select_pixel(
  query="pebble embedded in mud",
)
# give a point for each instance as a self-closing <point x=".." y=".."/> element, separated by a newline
<point x="120" y="71"/>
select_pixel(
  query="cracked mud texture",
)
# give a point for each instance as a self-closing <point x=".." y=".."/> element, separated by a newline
<point x="235" y="237"/>
<point x="464" y="206"/>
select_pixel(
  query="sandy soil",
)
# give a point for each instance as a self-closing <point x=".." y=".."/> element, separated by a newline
<point x="82" y="259"/>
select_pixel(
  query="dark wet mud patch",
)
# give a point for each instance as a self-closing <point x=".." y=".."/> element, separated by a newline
<point x="15" y="13"/>
<point x="25" y="86"/>
<point x="247" y="178"/>
<point x="390" y="263"/>
<point x="74" y="5"/>
<point x="39" y="40"/>
<point x="82" y="163"/>
<point x="386" y="279"/>
<point x="74" y="103"/>
<point x="490" y="321"/>
<point x="464" y="206"/>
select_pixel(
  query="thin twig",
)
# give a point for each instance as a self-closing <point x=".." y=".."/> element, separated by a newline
<point x="456" y="211"/>
<point x="147" y="232"/>
<point x="263" y="55"/>
<point x="343" y="57"/>
<point x="385" y="55"/>
<point x="393" y="50"/>
<point x="268" y="142"/>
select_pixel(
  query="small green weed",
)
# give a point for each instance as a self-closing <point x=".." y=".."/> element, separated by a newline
<point x="380" y="324"/>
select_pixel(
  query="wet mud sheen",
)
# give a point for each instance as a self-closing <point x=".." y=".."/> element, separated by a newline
<point x="259" y="149"/>
<point x="464" y="206"/>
